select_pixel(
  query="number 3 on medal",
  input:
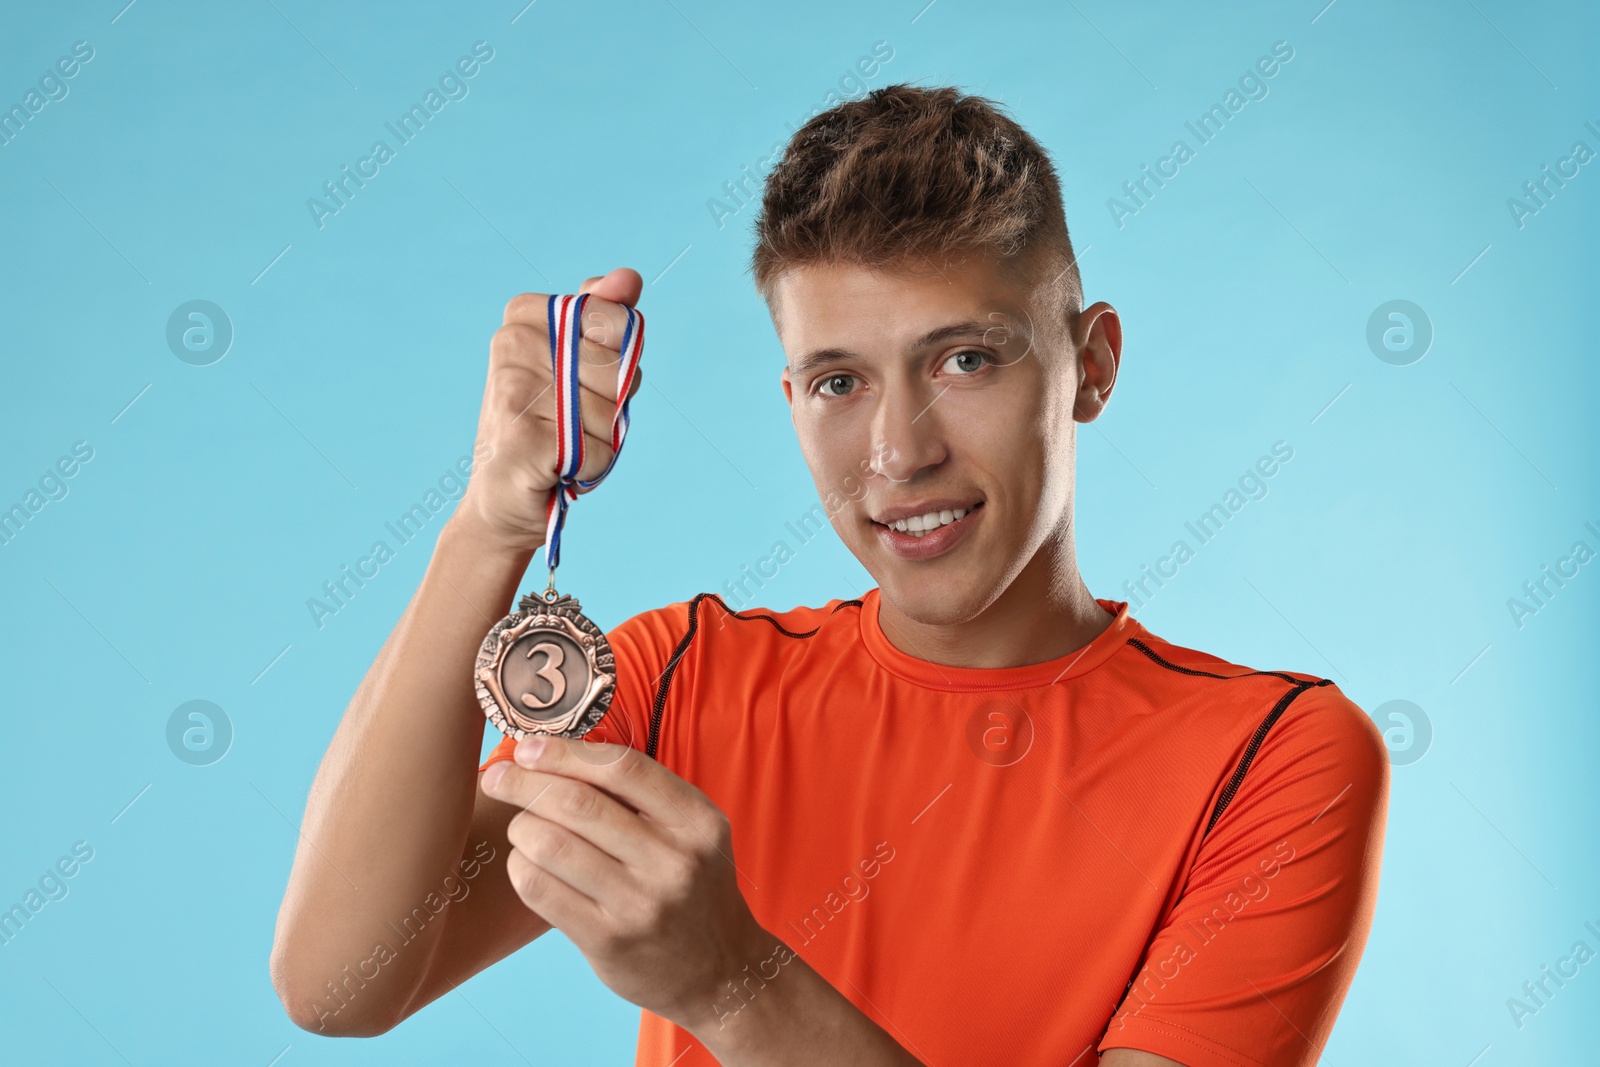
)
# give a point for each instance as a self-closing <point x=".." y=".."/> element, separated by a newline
<point x="551" y="673"/>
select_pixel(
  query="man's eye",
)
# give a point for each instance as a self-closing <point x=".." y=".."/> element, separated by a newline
<point x="823" y="385"/>
<point x="968" y="362"/>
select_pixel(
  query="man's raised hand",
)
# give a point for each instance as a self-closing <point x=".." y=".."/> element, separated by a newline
<point x="509" y="493"/>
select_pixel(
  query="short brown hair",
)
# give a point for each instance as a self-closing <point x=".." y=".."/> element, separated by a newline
<point x="907" y="175"/>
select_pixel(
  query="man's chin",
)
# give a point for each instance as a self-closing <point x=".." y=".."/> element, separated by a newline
<point x="931" y="599"/>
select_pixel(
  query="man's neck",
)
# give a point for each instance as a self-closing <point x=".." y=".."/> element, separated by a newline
<point x="1045" y="613"/>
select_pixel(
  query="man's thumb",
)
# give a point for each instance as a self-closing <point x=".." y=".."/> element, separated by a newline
<point x="622" y="286"/>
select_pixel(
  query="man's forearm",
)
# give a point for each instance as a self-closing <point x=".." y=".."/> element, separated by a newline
<point x="779" y="1012"/>
<point x="392" y="802"/>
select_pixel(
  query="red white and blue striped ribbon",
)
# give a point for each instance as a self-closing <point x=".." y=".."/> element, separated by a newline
<point x="566" y="329"/>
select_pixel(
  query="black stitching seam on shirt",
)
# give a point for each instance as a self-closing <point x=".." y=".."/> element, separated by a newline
<point x="1148" y="651"/>
<point x="683" y="646"/>
<point x="1255" y="743"/>
<point x="1300" y="686"/>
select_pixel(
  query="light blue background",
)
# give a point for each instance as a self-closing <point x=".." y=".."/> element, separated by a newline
<point x="179" y="565"/>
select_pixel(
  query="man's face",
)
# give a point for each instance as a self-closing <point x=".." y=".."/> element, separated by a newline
<point x="898" y="414"/>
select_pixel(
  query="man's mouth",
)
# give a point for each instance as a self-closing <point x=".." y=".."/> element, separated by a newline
<point x="923" y="523"/>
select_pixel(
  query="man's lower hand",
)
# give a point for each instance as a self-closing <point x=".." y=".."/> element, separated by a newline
<point x="635" y="865"/>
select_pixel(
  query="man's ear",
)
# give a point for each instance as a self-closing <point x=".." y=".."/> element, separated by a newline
<point x="788" y="387"/>
<point x="1097" y="337"/>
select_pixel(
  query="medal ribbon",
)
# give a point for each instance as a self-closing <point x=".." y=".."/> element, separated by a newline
<point x="565" y="316"/>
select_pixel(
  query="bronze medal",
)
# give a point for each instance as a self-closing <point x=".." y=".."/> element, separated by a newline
<point x="545" y="669"/>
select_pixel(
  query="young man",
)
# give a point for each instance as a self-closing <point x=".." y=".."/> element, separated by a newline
<point x="974" y="815"/>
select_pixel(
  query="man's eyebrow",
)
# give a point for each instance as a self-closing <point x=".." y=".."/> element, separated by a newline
<point x="950" y="332"/>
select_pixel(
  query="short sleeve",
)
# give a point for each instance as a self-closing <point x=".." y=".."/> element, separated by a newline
<point x="1250" y="966"/>
<point x="643" y="646"/>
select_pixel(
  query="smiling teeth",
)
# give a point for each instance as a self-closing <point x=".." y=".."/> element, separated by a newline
<point x="917" y="525"/>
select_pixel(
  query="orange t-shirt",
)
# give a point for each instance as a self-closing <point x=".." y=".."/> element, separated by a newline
<point x="1136" y="845"/>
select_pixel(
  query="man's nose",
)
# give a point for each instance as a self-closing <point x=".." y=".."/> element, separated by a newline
<point x="907" y="432"/>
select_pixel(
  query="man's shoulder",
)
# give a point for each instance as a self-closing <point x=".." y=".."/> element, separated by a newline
<point x="1181" y="668"/>
<point x="1157" y="653"/>
<point x="1293" y="707"/>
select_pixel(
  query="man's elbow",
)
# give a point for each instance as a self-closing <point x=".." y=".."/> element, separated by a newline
<point x="323" y="1010"/>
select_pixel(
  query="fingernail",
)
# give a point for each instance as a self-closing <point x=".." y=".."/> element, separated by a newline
<point x="492" y="776"/>
<point x="527" y="752"/>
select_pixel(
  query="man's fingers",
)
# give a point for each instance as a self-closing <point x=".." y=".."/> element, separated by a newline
<point x="597" y="451"/>
<point x="604" y="320"/>
<point x="521" y="367"/>
<point x="568" y="855"/>
<point x="631" y="776"/>
<point x="553" y="900"/>
<point x="520" y="391"/>
<point x="598" y="368"/>
<point x="526" y="398"/>
<point x="585" y="809"/>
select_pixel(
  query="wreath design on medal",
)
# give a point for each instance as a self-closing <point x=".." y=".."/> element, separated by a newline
<point x="545" y="669"/>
